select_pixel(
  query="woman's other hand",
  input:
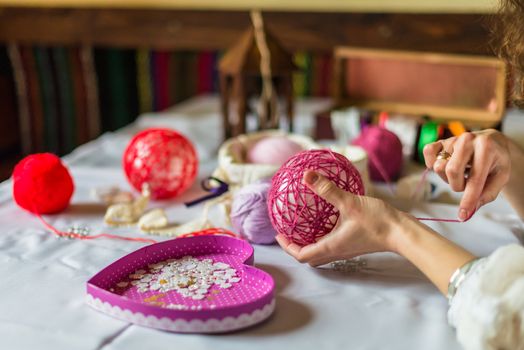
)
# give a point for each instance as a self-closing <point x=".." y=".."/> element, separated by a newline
<point x="476" y="163"/>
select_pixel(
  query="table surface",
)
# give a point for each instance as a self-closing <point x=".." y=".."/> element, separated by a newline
<point x="389" y="304"/>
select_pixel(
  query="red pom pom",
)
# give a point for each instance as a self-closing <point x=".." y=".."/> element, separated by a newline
<point x="162" y="158"/>
<point x="42" y="184"/>
<point x="294" y="209"/>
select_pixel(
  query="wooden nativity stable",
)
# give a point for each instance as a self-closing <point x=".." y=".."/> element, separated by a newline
<point x="240" y="80"/>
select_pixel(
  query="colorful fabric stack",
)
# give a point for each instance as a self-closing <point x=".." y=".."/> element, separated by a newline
<point x="69" y="95"/>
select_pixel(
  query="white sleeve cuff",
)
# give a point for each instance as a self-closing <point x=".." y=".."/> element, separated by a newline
<point x="488" y="308"/>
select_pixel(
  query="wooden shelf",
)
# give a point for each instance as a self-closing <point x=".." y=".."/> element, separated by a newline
<point x="217" y="30"/>
<point x="368" y="6"/>
<point x="466" y="88"/>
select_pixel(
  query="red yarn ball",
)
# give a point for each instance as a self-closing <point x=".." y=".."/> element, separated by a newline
<point x="163" y="159"/>
<point x="42" y="184"/>
<point x="384" y="151"/>
<point x="295" y="210"/>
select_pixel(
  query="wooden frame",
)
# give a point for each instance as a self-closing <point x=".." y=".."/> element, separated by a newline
<point x="218" y="30"/>
<point x="381" y="6"/>
<point x="473" y="116"/>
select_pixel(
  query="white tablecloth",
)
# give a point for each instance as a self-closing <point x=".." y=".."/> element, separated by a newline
<point x="388" y="305"/>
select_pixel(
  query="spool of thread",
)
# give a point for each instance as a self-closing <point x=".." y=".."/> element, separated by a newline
<point x="456" y="128"/>
<point x="384" y="151"/>
<point x="429" y="132"/>
<point x="383" y="119"/>
<point x="273" y="150"/>
<point x="414" y="187"/>
<point x="42" y="184"/>
<point x="249" y="214"/>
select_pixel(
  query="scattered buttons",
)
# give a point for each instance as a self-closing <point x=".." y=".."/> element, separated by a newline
<point x="190" y="277"/>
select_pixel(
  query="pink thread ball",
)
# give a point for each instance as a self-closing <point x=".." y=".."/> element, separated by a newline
<point x="274" y="150"/>
<point x="42" y="184"/>
<point x="163" y="159"/>
<point x="296" y="212"/>
<point x="384" y="151"/>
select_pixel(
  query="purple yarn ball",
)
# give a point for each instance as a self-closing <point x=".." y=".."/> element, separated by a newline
<point x="249" y="214"/>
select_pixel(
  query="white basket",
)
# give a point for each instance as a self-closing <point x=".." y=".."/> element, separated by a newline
<point x="233" y="168"/>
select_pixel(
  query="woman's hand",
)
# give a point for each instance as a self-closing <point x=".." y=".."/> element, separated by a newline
<point x="365" y="225"/>
<point x="368" y="225"/>
<point x="479" y="166"/>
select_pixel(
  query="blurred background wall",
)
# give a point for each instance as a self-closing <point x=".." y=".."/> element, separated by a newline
<point x="70" y="70"/>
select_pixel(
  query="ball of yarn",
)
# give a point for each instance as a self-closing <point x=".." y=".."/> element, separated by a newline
<point x="163" y="159"/>
<point x="249" y="213"/>
<point x="384" y="151"/>
<point x="274" y="150"/>
<point x="294" y="209"/>
<point x="42" y="184"/>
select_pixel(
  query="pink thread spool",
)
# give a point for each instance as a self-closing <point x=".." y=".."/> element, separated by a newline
<point x="384" y="150"/>
<point x="294" y="209"/>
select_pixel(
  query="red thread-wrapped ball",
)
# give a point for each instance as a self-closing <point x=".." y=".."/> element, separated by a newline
<point x="42" y="184"/>
<point x="295" y="210"/>
<point x="163" y="159"/>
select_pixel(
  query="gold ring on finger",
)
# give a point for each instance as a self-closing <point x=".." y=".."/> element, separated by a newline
<point x="443" y="155"/>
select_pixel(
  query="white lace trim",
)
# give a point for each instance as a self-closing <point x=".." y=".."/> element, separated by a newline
<point x="180" y="325"/>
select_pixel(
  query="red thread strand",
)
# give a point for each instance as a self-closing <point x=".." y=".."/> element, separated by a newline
<point x="421" y="182"/>
<point x="210" y="232"/>
<point x="372" y="139"/>
<point x="387" y="180"/>
<point x="207" y="232"/>
<point x="90" y="237"/>
<point x="419" y="187"/>
<point x="439" y="220"/>
<point x="382" y="172"/>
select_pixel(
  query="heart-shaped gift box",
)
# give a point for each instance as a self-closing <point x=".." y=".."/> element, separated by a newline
<point x="232" y="294"/>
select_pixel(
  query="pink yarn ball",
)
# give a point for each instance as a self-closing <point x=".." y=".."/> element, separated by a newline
<point x="294" y="209"/>
<point x="384" y="152"/>
<point x="273" y="150"/>
<point x="163" y="159"/>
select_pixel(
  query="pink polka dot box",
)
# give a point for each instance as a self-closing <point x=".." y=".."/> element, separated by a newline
<point x="204" y="284"/>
